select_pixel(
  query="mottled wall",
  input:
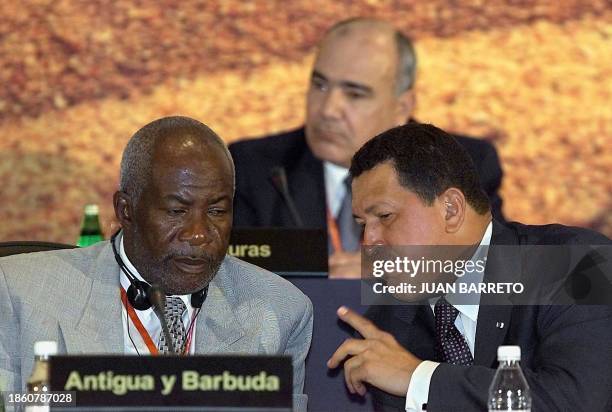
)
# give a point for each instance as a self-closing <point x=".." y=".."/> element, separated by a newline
<point x="78" y="78"/>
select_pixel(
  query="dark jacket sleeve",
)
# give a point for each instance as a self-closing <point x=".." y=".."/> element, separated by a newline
<point x="487" y="163"/>
<point x="569" y="375"/>
<point x="244" y="212"/>
<point x="491" y="174"/>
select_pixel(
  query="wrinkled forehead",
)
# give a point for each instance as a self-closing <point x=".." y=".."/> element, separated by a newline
<point x="191" y="155"/>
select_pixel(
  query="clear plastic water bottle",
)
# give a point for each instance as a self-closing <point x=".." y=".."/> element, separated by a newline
<point x="39" y="379"/>
<point x="509" y="390"/>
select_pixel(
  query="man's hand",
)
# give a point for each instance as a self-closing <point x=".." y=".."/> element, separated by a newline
<point x="378" y="359"/>
<point x="345" y="265"/>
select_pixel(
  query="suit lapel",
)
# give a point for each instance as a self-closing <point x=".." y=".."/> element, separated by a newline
<point x="217" y="327"/>
<point x="418" y="331"/>
<point x="307" y="185"/>
<point x="99" y="330"/>
<point x="494" y="314"/>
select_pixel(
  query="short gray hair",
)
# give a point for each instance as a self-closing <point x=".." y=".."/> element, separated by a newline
<point x="406" y="68"/>
<point x="137" y="159"/>
<point x="407" y="60"/>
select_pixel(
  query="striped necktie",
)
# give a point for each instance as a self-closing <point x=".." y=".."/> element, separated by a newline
<point x="175" y="307"/>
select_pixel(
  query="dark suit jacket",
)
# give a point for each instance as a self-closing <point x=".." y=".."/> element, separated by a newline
<point x="566" y="349"/>
<point x="257" y="202"/>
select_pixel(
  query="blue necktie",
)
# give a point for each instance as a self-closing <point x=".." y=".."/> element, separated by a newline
<point x="350" y="231"/>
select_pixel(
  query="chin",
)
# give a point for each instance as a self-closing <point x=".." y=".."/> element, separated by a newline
<point x="332" y="155"/>
<point x="187" y="283"/>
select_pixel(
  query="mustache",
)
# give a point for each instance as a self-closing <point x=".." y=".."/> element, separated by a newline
<point x="194" y="254"/>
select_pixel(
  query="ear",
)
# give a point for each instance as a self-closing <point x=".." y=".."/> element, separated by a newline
<point x="453" y="208"/>
<point x="123" y="208"/>
<point x="405" y="107"/>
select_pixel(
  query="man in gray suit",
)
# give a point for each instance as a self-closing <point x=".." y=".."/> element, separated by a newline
<point x="175" y="208"/>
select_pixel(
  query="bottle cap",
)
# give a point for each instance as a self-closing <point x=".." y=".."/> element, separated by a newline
<point x="45" y="348"/>
<point x="509" y="353"/>
<point x="92" y="209"/>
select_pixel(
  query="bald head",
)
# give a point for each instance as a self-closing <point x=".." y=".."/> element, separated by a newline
<point x="138" y="157"/>
<point x="389" y="39"/>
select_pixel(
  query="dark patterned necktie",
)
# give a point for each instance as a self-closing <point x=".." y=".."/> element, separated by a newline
<point x="451" y="347"/>
<point x="350" y="231"/>
<point x="175" y="307"/>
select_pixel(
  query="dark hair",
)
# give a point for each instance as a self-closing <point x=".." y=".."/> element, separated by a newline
<point x="427" y="161"/>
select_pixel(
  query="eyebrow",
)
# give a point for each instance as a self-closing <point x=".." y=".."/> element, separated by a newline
<point x="345" y="84"/>
<point x="369" y="209"/>
<point x="372" y="208"/>
<point x="185" y="201"/>
<point x="178" y="198"/>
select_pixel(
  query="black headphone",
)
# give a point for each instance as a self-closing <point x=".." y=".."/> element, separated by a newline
<point x="138" y="292"/>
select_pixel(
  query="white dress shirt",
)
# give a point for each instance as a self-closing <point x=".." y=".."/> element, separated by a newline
<point x="335" y="190"/>
<point x="147" y="317"/>
<point x="418" y="389"/>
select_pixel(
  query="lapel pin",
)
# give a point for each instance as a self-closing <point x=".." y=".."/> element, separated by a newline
<point x="499" y="325"/>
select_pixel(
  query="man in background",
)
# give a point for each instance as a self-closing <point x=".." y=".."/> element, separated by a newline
<point x="174" y="204"/>
<point x="361" y="84"/>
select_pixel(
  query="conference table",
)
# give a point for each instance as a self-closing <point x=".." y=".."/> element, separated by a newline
<point x="325" y="388"/>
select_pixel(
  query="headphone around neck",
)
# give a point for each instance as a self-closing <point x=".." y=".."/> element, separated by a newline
<point x="138" y="292"/>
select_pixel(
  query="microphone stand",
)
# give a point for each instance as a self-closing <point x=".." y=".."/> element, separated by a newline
<point x="279" y="181"/>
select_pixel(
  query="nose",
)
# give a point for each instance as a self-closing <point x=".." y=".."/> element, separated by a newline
<point x="372" y="234"/>
<point x="333" y="103"/>
<point x="198" y="231"/>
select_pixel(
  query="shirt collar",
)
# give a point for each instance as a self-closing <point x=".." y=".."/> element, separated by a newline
<point x="334" y="185"/>
<point x="471" y="311"/>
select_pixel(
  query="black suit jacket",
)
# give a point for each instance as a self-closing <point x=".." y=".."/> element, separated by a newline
<point x="566" y="349"/>
<point x="257" y="202"/>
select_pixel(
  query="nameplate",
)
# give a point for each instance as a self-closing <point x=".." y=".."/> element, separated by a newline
<point x="208" y="383"/>
<point x="289" y="252"/>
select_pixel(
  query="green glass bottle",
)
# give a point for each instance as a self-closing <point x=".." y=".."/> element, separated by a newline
<point x="90" y="231"/>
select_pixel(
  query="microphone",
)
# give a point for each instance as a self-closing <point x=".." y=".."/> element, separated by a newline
<point x="278" y="177"/>
<point x="158" y="302"/>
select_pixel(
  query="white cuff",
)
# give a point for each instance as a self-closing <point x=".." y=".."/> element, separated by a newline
<point x="418" y="389"/>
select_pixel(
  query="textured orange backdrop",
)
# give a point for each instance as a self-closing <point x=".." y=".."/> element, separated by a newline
<point x="78" y="78"/>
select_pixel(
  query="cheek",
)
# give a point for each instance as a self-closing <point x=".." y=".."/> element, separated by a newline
<point x="364" y="127"/>
<point x="372" y="119"/>
<point x="223" y="229"/>
<point x="161" y="232"/>
<point x="312" y="103"/>
<point x="414" y="230"/>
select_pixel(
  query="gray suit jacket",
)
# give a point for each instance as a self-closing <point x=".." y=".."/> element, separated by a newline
<point x="73" y="297"/>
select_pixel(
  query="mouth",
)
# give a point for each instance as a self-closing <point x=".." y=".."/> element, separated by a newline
<point x="330" y="136"/>
<point x="191" y="265"/>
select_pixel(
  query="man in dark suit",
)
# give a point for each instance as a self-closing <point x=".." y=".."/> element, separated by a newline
<point x="414" y="185"/>
<point x="361" y="85"/>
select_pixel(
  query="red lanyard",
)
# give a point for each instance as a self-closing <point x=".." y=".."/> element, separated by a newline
<point x="143" y="332"/>
<point x="333" y="232"/>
